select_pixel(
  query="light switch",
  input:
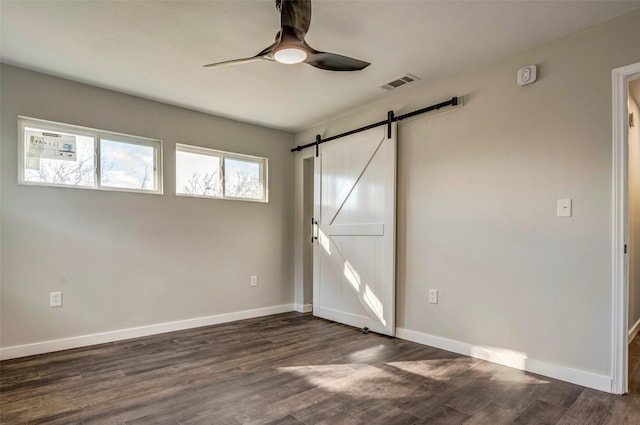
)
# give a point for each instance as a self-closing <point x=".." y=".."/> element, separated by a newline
<point x="564" y="207"/>
<point x="55" y="299"/>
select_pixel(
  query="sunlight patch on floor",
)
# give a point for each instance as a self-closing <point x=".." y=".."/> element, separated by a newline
<point x="356" y="380"/>
<point x="368" y="354"/>
<point x="437" y="369"/>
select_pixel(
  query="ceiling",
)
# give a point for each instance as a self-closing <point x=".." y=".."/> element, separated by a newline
<point x="156" y="49"/>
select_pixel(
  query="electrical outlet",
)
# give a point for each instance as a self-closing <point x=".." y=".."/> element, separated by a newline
<point x="55" y="299"/>
<point x="254" y="280"/>
<point x="433" y="296"/>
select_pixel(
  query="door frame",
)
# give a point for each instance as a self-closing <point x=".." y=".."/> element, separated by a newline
<point x="620" y="279"/>
<point x="308" y="190"/>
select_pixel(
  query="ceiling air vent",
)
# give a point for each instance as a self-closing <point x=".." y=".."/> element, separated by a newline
<point x="409" y="78"/>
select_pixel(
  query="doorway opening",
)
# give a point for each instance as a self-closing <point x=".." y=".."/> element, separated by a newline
<point x="307" y="234"/>
<point x="622" y="321"/>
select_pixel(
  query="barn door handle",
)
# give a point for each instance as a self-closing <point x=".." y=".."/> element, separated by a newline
<point x="314" y="230"/>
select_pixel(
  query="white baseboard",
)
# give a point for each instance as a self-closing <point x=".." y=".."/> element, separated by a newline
<point x="500" y="356"/>
<point x="511" y="359"/>
<point x="304" y="308"/>
<point x="635" y="329"/>
<point x="118" y="335"/>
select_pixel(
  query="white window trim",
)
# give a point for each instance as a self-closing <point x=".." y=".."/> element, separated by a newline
<point x="261" y="161"/>
<point x="98" y="135"/>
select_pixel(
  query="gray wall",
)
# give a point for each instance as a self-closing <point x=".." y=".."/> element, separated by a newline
<point x="122" y="259"/>
<point x="477" y="192"/>
<point x="634" y="212"/>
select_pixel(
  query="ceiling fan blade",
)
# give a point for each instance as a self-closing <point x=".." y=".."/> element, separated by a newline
<point x="233" y="62"/>
<point x="265" y="54"/>
<point x="296" y="14"/>
<point x="335" y="62"/>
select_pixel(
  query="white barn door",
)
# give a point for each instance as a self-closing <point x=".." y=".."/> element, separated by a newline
<point x="354" y="253"/>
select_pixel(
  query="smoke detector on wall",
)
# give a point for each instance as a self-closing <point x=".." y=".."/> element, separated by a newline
<point x="526" y="75"/>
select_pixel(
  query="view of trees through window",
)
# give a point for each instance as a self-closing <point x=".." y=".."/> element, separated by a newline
<point x="126" y="165"/>
<point x="197" y="174"/>
<point x="59" y="154"/>
<point x="209" y="173"/>
<point x="65" y="155"/>
<point x="242" y="179"/>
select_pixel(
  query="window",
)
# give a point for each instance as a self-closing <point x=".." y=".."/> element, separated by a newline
<point x="209" y="173"/>
<point x="55" y="154"/>
<point x="127" y="165"/>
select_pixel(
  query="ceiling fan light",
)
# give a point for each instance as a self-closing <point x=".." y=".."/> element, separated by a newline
<point x="290" y="55"/>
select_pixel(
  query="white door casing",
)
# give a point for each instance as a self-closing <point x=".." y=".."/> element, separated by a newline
<point x="620" y="265"/>
<point x="354" y="254"/>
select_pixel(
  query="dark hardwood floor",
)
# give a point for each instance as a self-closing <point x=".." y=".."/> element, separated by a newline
<point x="288" y="369"/>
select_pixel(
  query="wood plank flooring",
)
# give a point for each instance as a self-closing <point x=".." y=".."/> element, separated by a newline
<point x="288" y="369"/>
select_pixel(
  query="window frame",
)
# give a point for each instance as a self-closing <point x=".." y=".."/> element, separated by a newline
<point x="97" y="135"/>
<point x="262" y="162"/>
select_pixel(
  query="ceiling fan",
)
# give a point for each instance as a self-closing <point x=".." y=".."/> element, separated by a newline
<point x="290" y="47"/>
